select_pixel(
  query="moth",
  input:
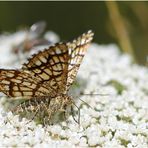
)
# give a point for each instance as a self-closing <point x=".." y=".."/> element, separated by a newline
<point x="44" y="81"/>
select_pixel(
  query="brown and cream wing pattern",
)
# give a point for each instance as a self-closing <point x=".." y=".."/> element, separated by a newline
<point x="77" y="50"/>
<point x="50" y="67"/>
<point x="16" y="83"/>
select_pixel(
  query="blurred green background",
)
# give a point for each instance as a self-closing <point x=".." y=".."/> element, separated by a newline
<point x="124" y="23"/>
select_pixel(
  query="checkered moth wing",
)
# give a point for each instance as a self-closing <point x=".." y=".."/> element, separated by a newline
<point x="77" y="50"/>
<point x="43" y="75"/>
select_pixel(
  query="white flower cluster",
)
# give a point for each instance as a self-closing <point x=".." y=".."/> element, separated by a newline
<point x="115" y="115"/>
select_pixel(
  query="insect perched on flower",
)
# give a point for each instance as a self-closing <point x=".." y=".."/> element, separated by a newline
<point x="45" y="80"/>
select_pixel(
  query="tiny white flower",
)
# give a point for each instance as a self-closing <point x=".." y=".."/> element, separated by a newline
<point x="83" y="142"/>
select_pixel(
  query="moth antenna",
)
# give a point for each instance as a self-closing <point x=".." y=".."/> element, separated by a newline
<point x="85" y="103"/>
<point x="90" y="95"/>
<point x="72" y="110"/>
<point x="82" y="94"/>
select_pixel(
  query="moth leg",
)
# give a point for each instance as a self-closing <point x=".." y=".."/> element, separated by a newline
<point x="65" y="115"/>
<point x="45" y="112"/>
<point x="73" y="115"/>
